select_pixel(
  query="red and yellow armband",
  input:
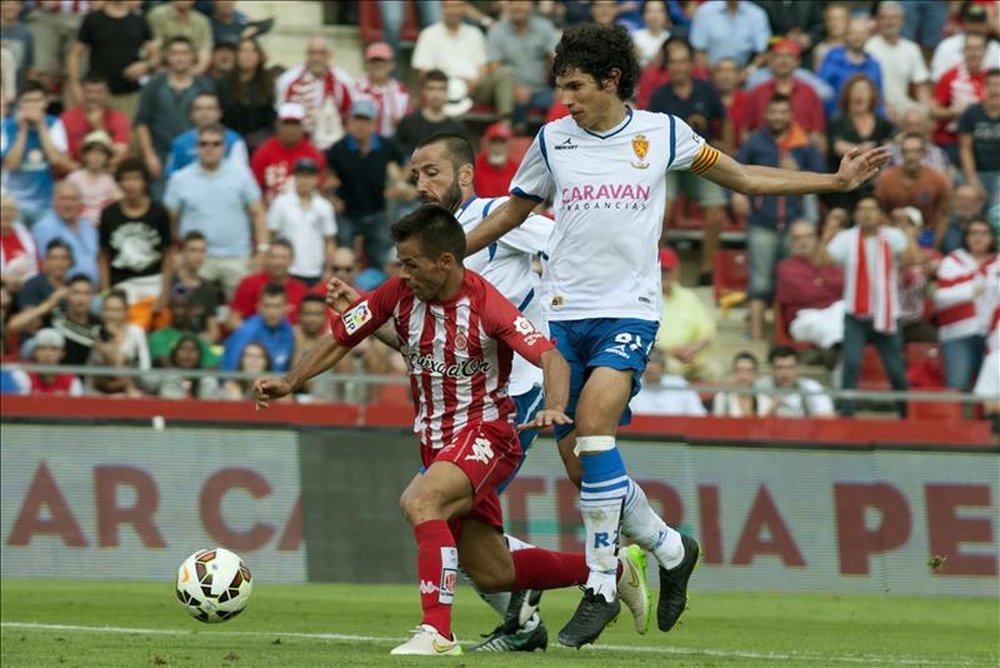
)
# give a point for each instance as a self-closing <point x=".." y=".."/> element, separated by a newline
<point x="705" y="160"/>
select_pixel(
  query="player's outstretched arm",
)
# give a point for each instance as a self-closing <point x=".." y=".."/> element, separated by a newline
<point x="501" y="220"/>
<point x="340" y="296"/>
<point x="855" y="168"/>
<point x="322" y="357"/>
<point x="555" y="371"/>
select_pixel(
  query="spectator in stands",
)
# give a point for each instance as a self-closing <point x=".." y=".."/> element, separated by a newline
<point x="738" y="404"/>
<point x="344" y="267"/>
<point x="649" y="39"/>
<point x="229" y="25"/>
<point x="50" y="280"/>
<point x="809" y="294"/>
<point x="915" y="280"/>
<point x="781" y="143"/>
<point x="525" y="42"/>
<point x="843" y="63"/>
<point x="75" y="321"/>
<point x="967" y="204"/>
<point x="119" y="47"/>
<point x="273" y="162"/>
<point x="459" y="50"/>
<point x="871" y="254"/>
<point x="801" y="22"/>
<point x="368" y="169"/>
<point x="917" y="119"/>
<point x="979" y="141"/>
<point x="924" y="21"/>
<point x="807" y="108"/>
<point x="858" y="125"/>
<point x="958" y="89"/>
<point x="950" y="53"/>
<point x="136" y="241"/>
<point x="186" y="355"/>
<point x="687" y="328"/>
<point x="94" y="113"/>
<point x="179" y="19"/>
<point x="188" y="318"/>
<point x="392" y="12"/>
<point x="733" y="28"/>
<point x="277" y="260"/>
<point x="63" y="221"/>
<point x="900" y="60"/>
<point x="34" y="147"/>
<point x="18" y="252"/>
<point x="987" y="386"/>
<point x="16" y="36"/>
<point x="205" y="297"/>
<point x="913" y="184"/>
<point x="223" y="61"/>
<point x="726" y="77"/>
<point x="968" y="293"/>
<point x="663" y="394"/>
<point x="429" y="119"/>
<point x="270" y="328"/>
<point x="246" y="95"/>
<point x="254" y="359"/>
<point x="323" y="90"/>
<point x="121" y="344"/>
<point x="49" y="349"/>
<point x="205" y="111"/>
<point x="309" y="331"/>
<point x="93" y="179"/>
<point x="836" y="18"/>
<point x="790" y="394"/>
<point x="220" y="199"/>
<point x="696" y="102"/>
<point x="165" y="105"/>
<point x="306" y="219"/>
<point x="390" y="95"/>
<point x="494" y="167"/>
<point x="603" y="12"/>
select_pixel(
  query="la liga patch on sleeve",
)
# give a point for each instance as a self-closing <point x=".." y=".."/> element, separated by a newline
<point x="356" y="317"/>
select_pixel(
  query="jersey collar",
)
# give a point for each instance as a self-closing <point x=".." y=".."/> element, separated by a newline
<point x="621" y="126"/>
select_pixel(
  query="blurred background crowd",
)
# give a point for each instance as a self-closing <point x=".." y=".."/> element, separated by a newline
<point x="174" y="198"/>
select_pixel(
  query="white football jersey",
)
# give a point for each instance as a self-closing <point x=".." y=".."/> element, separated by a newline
<point x="506" y="264"/>
<point x="609" y="192"/>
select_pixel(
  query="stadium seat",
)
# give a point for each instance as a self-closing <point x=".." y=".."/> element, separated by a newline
<point x="370" y="18"/>
<point x="730" y="272"/>
<point x="952" y="411"/>
<point x="781" y="335"/>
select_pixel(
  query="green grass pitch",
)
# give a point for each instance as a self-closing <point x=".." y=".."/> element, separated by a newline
<point x="76" y="623"/>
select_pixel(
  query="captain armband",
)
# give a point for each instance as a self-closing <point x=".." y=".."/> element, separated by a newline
<point x="705" y="160"/>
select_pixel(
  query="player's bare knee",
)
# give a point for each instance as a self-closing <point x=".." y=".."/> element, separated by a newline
<point x="422" y="505"/>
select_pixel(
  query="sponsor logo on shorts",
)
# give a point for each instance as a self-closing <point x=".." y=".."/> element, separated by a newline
<point x="617" y="350"/>
<point x="354" y="318"/>
<point x="482" y="451"/>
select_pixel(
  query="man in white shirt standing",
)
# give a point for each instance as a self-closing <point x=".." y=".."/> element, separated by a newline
<point x="901" y="60"/>
<point x="605" y="167"/>
<point x="950" y="52"/>
<point x="459" y="50"/>
<point x="306" y="218"/>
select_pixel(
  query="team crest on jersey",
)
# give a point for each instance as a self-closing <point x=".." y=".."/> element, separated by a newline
<point x="640" y="146"/>
<point x="354" y="318"/>
<point x="461" y="339"/>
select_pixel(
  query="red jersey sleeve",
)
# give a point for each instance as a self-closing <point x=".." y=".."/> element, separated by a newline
<point x="505" y="323"/>
<point x="368" y="313"/>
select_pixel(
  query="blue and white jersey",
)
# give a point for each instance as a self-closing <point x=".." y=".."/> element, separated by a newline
<point x="609" y="192"/>
<point x="506" y="264"/>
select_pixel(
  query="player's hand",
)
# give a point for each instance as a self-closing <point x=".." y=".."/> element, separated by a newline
<point x="340" y="295"/>
<point x="267" y="388"/>
<point x="544" y="419"/>
<point x="858" y="166"/>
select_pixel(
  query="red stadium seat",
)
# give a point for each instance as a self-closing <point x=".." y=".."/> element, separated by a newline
<point x="730" y="272"/>
<point x="952" y="411"/>
<point x="370" y="18"/>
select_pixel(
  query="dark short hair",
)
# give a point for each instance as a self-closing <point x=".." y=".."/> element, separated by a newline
<point x="779" y="98"/>
<point x="435" y="228"/>
<point x="178" y="39"/>
<point x="597" y="50"/>
<point x="434" y="75"/>
<point x="273" y="290"/>
<point x="867" y="196"/>
<point x="459" y="149"/>
<point x="313" y="299"/>
<point x="284" y="242"/>
<point x="94" y="77"/>
<point x="58" y="243"/>
<point x="80" y="278"/>
<point x="782" y="352"/>
<point x="132" y="166"/>
<point x="32" y="86"/>
<point x="677" y="40"/>
<point x="748" y="356"/>
<point x="117" y="293"/>
<point x="193" y="235"/>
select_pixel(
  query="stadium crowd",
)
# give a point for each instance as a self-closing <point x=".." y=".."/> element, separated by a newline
<point x="171" y="199"/>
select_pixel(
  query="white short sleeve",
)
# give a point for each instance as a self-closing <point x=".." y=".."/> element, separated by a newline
<point x="58" y="135"/>
<point x="686" y="144"/>
<point x="274" y="215"/>
<point x="896" y="239"/>
<point x="328" y="218"/>
<point x="533" y="179"/>
<point x="839" y="246"/>
<point x="172" y="198"/>
<point x="531" y="237"/>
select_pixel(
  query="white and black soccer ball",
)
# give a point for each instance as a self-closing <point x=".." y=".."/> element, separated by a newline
<point x="214" y="585"/>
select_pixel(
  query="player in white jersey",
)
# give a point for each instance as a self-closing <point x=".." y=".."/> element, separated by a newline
<point x="605" y="167"/>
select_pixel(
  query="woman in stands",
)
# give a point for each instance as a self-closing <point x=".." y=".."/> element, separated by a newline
<point x="247" y="95"/>
<point x="732" y="404"/>
<point x="121" y="344"/>
<point x="185" y="356"/>
<point x="254" y="359"/>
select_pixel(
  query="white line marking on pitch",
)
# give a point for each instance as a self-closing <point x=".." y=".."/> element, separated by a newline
<point x="643" y="649"/>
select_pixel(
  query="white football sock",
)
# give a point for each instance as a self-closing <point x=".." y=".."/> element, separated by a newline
<point x="648" y="530"/>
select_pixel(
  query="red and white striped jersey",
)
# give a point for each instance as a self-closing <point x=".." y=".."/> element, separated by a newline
<point x="959" y="311"/>
<point x="392" y="101"/>
<point x="459" y="352"/>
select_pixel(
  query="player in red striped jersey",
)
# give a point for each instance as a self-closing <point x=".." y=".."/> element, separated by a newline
<point x="459" y="335"/>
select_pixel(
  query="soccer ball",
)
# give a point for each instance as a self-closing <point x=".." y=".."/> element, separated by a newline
<point x="214" y="585"/>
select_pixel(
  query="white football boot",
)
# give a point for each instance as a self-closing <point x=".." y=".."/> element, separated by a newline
<point x="633" y="586"/>
<point x="426" y="641"/>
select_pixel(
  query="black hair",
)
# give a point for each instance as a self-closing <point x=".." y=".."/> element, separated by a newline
<point x="178" y="39"/>
<point x="93" y="77"/>
<point x="748" y="356"/>
<point x="313" y="298"/>
<point x="58" y="243"/>
<point x="435" y="228"/>
<point x="268" y="363"/>
<point x="80" y="278"/>
<point x="193" y="235"/>
<point x="677" y="40"/>
<point x="132" y="166"/>
<point x="434" y="75"/>
<point x="117" y="293"/>
<point x="782" y="352"/>
<point x="459" y="148"/>
<point x="189" y="338"/>
<point x="273" y="290"/>
<point x="598" y="51"/>
<point x="979" y="221"/>
<point x="32" y="86"/>
<point x="283" y="241"/>
<point x="779" y="98"/>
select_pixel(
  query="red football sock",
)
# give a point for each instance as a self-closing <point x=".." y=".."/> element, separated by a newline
<point x="536" y="568"/>
<point x="437" y="569"/>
